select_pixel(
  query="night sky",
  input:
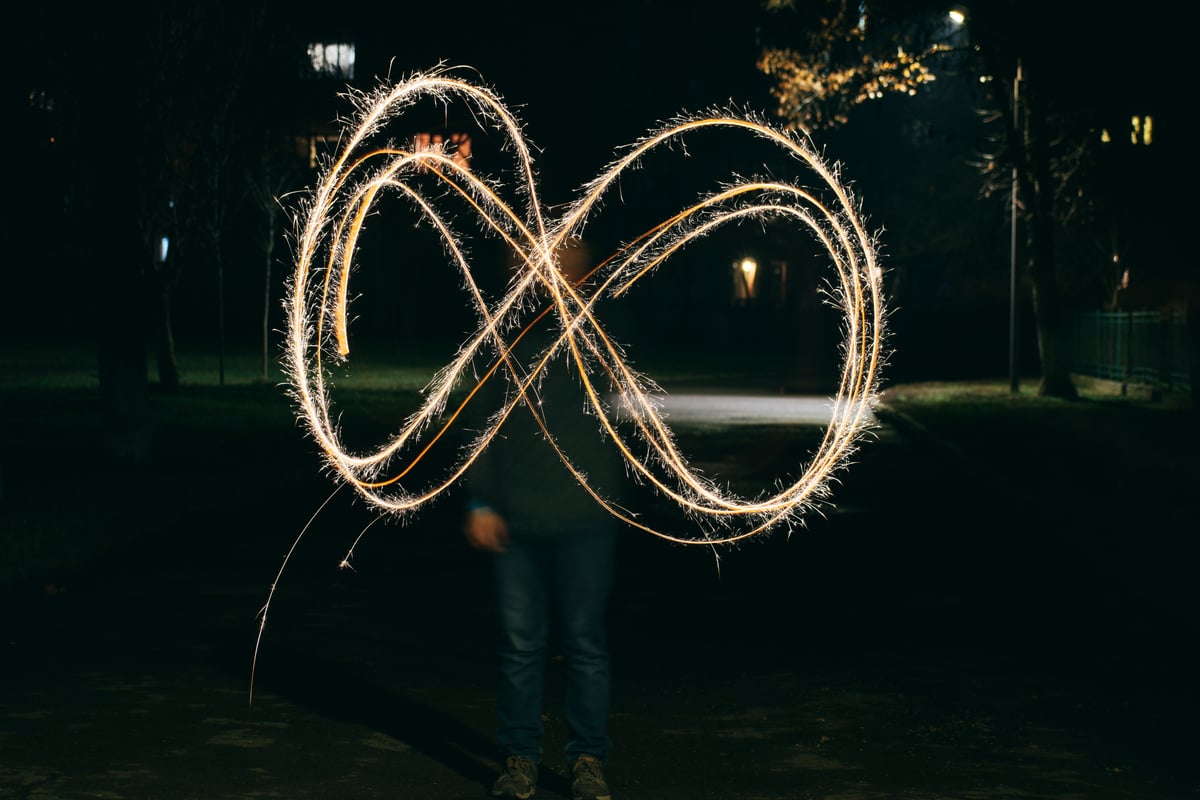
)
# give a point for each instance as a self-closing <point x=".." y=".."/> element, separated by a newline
<point x="586" y="78"/>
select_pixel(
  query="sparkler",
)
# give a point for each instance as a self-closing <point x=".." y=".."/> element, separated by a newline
<point x="364" y="172"/>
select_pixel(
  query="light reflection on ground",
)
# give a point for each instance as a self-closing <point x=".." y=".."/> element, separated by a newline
<point x="715" y="408"/>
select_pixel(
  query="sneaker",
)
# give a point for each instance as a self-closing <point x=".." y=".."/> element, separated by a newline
<point x="518" y="780"/>
<point x="587" y="780"/>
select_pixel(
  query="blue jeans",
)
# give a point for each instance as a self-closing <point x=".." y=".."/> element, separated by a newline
<point x="563" y="580"/>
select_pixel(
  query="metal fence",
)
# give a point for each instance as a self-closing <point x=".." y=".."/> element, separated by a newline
<point x="1133" y="347"/>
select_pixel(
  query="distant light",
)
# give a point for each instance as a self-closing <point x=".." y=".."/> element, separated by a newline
<point x="455" y="145"/>
<point x="164" y="247"/>
<point x="746" y="271"/>
<point x="957" y="16"/>
<point x="332" y="59"/>
<point x="1141" y="130"/>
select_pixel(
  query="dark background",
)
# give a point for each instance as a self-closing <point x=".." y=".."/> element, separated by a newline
<point x="999" y="603"/>
<point x="587" y="80"/>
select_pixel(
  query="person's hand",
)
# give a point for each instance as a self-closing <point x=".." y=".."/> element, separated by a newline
<point x="486" y="530"/>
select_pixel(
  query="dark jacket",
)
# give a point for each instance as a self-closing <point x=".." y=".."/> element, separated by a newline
<point x="518" y="474"/>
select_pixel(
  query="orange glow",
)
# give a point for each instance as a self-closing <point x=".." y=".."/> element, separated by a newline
<point x="456" y="145"/>
<point x="744" y="274"/>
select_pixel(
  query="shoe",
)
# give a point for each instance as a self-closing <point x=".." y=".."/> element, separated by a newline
<point x="519" y="779"/>
<point x="587" y="780"/>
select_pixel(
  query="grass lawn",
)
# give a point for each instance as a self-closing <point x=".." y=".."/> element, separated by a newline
<point x="63" y="501"/>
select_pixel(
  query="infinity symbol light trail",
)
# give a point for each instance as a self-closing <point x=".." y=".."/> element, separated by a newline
<point x="365" y="171"/>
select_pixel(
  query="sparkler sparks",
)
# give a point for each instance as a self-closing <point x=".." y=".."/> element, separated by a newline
<point x="364" y="172"/>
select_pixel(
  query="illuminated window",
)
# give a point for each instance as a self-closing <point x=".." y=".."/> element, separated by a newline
<point x="332" y="59"/>
<point x="1141" y="130"/>
<point x="759" y="284"/>
<point x="455" y="145"/>
<point x="745" y="272"/>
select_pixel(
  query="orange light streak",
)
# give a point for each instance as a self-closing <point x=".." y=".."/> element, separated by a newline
<point x="331" y="224"/>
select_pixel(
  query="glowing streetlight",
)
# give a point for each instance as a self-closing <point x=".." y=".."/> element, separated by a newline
<point x="745" y="272"/>
<point x="958" y="17"/>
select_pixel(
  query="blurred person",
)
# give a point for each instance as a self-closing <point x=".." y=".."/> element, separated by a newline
<point x="553" y="552"/>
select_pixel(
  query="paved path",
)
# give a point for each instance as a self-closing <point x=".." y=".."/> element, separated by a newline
<point x="919" y="641"/>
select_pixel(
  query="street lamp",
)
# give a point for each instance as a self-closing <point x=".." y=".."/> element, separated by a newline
<point x="745" y="272"/>
<point x="958" y="18"/>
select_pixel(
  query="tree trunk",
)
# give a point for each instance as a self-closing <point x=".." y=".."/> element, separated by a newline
<point x="220" y="311"/>
<point x="121" y="364"/>
<point x="1193" y="344"/>
<point x="1054" y="347"/>
<point x="164" y="342"/>
<point x="121" y="367"/>
<point x="1048" y="311"/>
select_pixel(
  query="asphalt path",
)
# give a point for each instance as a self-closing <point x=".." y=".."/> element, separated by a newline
<point x="923" y="636"/>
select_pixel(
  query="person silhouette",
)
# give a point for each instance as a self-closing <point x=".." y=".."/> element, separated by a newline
<point x="553" y="551"/>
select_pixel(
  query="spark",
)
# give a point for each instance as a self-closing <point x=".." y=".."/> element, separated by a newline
<point x="332" y="220"/>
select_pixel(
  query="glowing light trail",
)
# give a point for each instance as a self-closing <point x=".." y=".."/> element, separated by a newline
<point x="328" y="234"/>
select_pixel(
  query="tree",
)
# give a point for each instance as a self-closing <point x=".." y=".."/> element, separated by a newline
<point x="90" y="243"/>
<point x="1037" y="91"/>
<point x="128" y="130"/>
<point x="204" y="109"/>
<point x="275" y="174"/>
<point x="276" y="120"/>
